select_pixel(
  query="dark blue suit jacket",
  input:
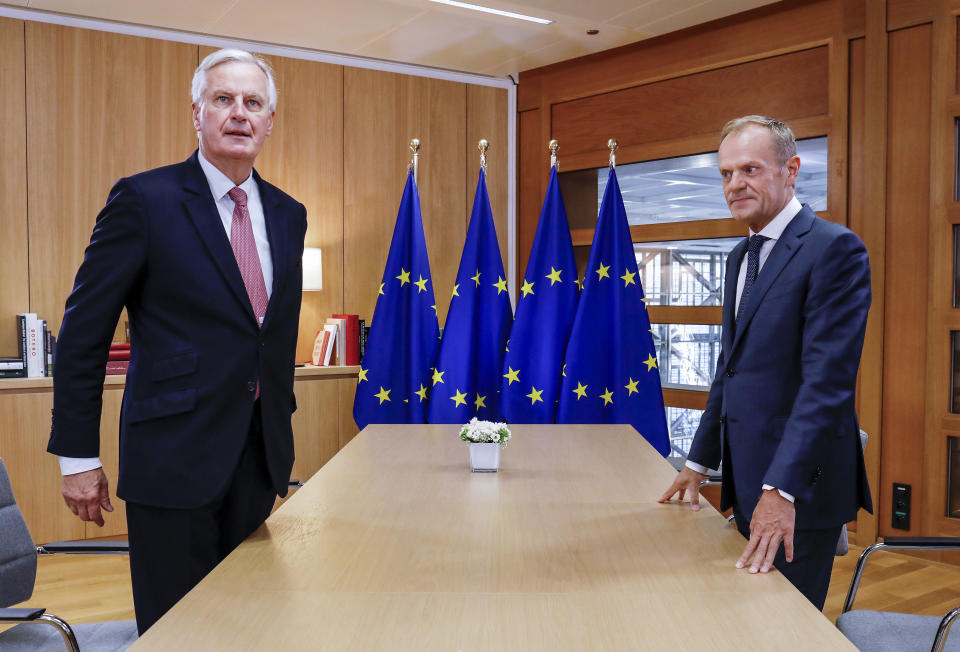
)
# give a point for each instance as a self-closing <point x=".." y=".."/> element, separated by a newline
<point x="159" y="249"/>
<point x="781" y="407"/>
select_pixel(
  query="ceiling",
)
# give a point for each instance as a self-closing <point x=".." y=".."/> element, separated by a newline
<point x="417" y="31"/>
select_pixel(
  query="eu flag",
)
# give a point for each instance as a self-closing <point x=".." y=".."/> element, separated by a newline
<point x="611" y="373"/>
<point x="396" y="367"/>
<point x="545" y="309"/>
<point x="466" y="380"/>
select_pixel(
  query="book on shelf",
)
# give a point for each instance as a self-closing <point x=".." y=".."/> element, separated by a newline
<point x="32" y="344"/>
<point x="361" y="339"/>
<point x="11" y="363"/>
<point x="51" y="352"/>
<point x="13" y="373"/>
<point x="117" y="367"/>
<point x="331" y="344"/>
<point x="351" y="338"/>
<point x="319" y="343"/>
<point x="338" y="355"/>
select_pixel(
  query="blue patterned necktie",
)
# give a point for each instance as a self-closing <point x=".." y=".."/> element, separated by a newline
<point x="753" y="267"/>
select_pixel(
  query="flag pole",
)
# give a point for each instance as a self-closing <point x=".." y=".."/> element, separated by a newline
<point x="415" y="160"/>
<point x="482" y="146"/>
<point x="612" y="144"/>
<point x="554" y="146"/>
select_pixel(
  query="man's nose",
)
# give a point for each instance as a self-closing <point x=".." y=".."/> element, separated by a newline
<point x="238" y="112"/>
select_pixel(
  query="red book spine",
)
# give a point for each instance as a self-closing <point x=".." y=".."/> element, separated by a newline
<point x="352" y="339"/>
<point x="117" y="367"/>
<point x="119" y="355"/>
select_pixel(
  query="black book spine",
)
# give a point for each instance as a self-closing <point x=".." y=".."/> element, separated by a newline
<point x="362" y="334"/>
<point x="13" y="373"/>
<point x="22" y="332"/>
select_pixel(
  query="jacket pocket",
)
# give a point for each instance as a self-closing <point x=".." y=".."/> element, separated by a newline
<point x="176" y="365"/>
<point x="161" y="405"/>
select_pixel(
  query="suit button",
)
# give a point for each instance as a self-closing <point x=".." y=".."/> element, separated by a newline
<point x="731" y="373"/>
<point x="723" y="420"/>
<point x="251" y="386"/>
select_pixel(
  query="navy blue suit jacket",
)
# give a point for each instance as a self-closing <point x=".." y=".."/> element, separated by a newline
<point x="781" y="407"/>
<point x="159" y="249"/>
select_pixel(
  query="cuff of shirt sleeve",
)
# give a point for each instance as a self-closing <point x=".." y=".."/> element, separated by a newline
<point x="783" y="493"/>
<point x="699" y="468"/>
<point x="72" y="465"/>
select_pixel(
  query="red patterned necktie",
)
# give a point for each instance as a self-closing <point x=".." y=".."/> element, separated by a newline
<point x="245" y="250"/>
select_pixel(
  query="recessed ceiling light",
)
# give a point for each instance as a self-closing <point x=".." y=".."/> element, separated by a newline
<point x="499" y="12"/>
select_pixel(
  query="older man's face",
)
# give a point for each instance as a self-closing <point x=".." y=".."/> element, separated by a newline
<point x="233" y="118"/>
<point x="755" y="185"/>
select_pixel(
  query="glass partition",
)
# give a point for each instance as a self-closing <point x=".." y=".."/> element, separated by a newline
<point x="683" y="272"/>
<point x="686" y="354"/>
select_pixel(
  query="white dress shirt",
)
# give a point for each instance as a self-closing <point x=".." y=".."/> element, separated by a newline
<point x="220" y="185"/>
<point x="773" y="231"/>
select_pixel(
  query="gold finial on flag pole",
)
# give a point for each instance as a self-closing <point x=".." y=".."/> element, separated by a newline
<point x="612" y="144"/>
<point x="482" y="146"/>
<point x="415" y="160"/>
<point x="554" y="146"/>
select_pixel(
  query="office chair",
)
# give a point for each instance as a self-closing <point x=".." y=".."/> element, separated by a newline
<point x="39" y="631"/>
<point x="883" y="631"/>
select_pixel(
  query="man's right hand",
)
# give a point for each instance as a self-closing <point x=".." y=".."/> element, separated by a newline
<point x="86" y="494"/>
<point x="687" y="480"/>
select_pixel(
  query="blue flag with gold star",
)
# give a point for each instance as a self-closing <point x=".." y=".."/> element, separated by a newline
<point x="611" y="365"/>
<point x="396" y="368"/>
<point x="546" y="305"/>
<point x="466" y="380"/>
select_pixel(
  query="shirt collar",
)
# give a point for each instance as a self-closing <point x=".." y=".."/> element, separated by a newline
<point x="775" y="228"/>
<point x="220" y="184"/>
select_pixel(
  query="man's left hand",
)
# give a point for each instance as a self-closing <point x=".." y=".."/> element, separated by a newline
<point x="772" y="524"/>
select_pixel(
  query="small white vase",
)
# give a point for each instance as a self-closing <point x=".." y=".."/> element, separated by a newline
<point x="484" y="457"/>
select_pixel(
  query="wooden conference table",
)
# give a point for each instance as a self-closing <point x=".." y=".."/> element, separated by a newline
<point x="395" y="545"/>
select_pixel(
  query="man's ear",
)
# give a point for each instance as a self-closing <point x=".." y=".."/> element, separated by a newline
<point x="793" y="169"/>
<point x="196" y="116"/>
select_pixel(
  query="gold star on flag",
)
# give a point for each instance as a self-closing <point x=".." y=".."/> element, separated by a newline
<point x="628" y="278"/>
<point x="383" y="395"/>
<point x="422" y="393"/>
<point x="580" y="391"/>
<point x="381" y="288"/>
<point x="476" y="278"/>
<point x="421" y="284"/>
<point x="512" y="375"/>
<point x="563" y="372"/>
<point x="438" y="376"/>
<point x="480" y="401"/>
<point x="631" y="387"/>
<point x="459" y="398"/>
<point x="651" y="362"/>
<point x="602" y="272"/>
<point x="404" y="276"/>
<point x="554" y="276"/>
<point x="362" y="375"/>
<point x="527" y="288"/>
<point x="507" y="346"/>
<point x="534" y="395"/>
<point x="579" y="283"/>
<point x="501" y="285"/>
<point x="607" y="397"/>
<point x="456" y="287"/>
<point x="434" y="306"/>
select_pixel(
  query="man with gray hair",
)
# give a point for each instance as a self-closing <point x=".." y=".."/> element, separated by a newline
<point x="780" y="414"/>
<point x="205" y="256"/>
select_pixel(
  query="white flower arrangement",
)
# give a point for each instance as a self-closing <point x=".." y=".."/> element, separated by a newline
<point x="482" y="432"/>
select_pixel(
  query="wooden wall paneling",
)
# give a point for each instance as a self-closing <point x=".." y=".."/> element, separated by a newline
<point x="943" y="317"/>
<point x="113" y="523"/>
<point x="121" y="105"/>
<point x="908" y="13"/>
<point x="772" y="29"/>
<point x="382" y="112"/>
<point x="14" y="273"/>
<point x="867" y="211"/>
<point x="316" y="425"/>
<point x="487" y="116"/>
<point x="837" y="144"/>
<point x="533" y="170"/>
<point x="787" y="86"/>
<point x="34" y="473"/>
<point x="304" y="158"/>
<point x="906" y="267"/>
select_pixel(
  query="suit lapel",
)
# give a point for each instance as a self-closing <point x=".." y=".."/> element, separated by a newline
<point x="277" y="234"/>
<point x="785" y="248"/>
<point x="202" y="211"/>
<point x="730" y="293"/>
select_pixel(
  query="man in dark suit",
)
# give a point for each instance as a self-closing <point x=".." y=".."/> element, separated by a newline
<point x="205" y="256"/>
<point x="780" y="413"/>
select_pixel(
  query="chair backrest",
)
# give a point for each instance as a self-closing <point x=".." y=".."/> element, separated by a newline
<point x="18" y="556"/>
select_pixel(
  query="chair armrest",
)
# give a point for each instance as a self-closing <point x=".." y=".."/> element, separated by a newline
<point x="85" y="548"/>
<point x="922" y="543"/>
<point x="20" y="615"/>
<point x="895" y="543"/>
